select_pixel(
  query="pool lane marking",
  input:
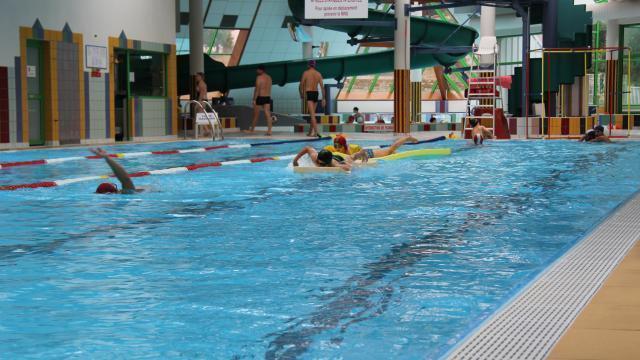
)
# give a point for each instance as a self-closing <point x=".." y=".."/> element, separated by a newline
<point x="173" y="170"/>
<point x="167" y="171"/>
<point x="147" y="153"/>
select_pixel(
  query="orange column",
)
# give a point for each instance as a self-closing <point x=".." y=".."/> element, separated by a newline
<point x="401" y="101"/>
<point x="77" y="39"/>
<point x="172" y="88"/>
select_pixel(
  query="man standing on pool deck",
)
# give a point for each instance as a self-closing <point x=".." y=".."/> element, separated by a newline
<point x="311" y="78"/>
<point x="262" y="98"/>
<point x="201" y="95"/>
<point x="119" y="172"/>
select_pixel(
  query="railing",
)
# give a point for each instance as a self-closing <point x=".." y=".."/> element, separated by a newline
<point x="216" y="128"/>
<point x="219" y="134"/>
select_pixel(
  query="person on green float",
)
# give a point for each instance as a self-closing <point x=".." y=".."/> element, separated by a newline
<point x="340" y="145"/>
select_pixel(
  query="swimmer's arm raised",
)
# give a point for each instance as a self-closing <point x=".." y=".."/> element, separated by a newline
<point x="118" y="170"/>
<point x="306" y="150"/>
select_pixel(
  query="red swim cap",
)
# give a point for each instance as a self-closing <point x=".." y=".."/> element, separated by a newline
<point x="339" y="139"/>
<point x="107" y="188"/>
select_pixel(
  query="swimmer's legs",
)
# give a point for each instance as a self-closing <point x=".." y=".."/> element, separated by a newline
<point x="392" y="149"/>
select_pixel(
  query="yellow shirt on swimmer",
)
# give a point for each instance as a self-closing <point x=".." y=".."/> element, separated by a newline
<point x="353" y="148"/>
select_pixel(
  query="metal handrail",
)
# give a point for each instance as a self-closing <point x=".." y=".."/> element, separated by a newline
<point x="195" y="121"/>
<point x="217" y="118"/>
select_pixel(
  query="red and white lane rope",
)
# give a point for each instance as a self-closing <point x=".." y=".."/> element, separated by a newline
<point x="118" y="155"/>
<point x="173" y="170"/>
<point x="147" y="153"/>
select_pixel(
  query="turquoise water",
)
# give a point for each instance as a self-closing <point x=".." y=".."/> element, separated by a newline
<point x="253" y="261"/>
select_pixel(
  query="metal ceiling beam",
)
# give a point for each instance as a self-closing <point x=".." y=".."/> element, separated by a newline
<point x="206" y="13"/>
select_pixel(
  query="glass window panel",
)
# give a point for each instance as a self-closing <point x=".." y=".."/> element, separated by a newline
<point x="220" y="41"/>
<point x="147" y="74"/>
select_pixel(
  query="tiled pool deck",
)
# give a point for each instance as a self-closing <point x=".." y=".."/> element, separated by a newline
<point x="579" y="308"/>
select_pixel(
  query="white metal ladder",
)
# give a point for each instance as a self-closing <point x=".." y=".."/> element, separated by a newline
<point x="486" y="82"/>
<point x="212" y="119"/>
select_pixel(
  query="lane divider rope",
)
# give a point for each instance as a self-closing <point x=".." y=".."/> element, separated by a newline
<point x="174" y="170"/>
<point x="147" y="153"/>
<point x="138" y="174"/>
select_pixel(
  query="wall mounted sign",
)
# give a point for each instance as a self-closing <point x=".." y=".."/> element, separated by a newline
<point x="96" y="57"/>
<point x="32" y="71"/>
<point x="336" y="9"/>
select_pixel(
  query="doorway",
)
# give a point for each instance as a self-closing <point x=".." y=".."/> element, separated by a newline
<point x="122" y="95"/>
<point x="35" y="92"/>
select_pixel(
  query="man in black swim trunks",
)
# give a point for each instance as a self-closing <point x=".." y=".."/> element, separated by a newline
<point x="309" y="83"/>
<point x="262" y="99"/>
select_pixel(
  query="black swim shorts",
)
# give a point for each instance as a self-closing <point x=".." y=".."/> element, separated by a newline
<point x="263" y="100"/>
<point x="312" y="96"/>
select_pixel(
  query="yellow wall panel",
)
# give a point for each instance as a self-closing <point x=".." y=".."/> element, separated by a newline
<point x="574" y="125"/>
<point x="555" y="126"/>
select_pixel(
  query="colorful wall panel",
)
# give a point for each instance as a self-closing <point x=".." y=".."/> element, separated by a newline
<point x="4" y="105"/>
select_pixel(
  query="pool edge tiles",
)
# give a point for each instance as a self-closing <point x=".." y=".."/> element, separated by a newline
<point x="530" y="324"/>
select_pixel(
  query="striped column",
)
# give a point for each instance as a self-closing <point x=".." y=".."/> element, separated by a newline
<point x="401" y="74"/>
<point x="416" y="101"/>
<point x="416" y="95"/>
<point x="401" y="101"/>
<point x="611" y="87"/>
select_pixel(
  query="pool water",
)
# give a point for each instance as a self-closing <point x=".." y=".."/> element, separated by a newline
<point x="253" y="261"/>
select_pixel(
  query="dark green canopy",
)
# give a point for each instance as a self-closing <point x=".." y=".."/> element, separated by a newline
<point x="425" y="32"/>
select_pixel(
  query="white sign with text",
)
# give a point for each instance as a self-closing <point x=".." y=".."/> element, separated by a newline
<point x="32" y="71"/>
<point x="336" y="9"/>
<point x="204" y="119"/>
<point x="96" y="57"/>
<point x="378" y="128"/>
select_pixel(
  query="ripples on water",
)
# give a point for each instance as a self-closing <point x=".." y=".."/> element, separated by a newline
<point x="397" y="261"/>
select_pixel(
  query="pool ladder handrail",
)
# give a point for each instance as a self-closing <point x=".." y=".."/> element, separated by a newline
<point x="216" y="131"/>
<point x="220" y="134"/>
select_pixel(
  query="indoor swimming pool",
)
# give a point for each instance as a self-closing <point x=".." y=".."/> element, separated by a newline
<point x="401" y="260"/>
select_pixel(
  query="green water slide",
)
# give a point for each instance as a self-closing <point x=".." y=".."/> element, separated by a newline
<point x="424" y="32"/>
<point x="572" y="30"/>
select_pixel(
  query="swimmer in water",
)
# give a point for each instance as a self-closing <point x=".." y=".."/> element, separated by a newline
<point x="599" y="135"/>
<point x="340" y="145"/>
<point x="119" y="172"/>
<point x="324" y="158"/>
<point x="479" y="132"/>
